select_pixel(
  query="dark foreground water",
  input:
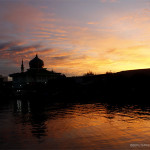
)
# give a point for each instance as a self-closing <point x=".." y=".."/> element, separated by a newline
<point x="57" y="126"/>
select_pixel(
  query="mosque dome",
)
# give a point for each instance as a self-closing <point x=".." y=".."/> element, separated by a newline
<point x="36" y="63"/>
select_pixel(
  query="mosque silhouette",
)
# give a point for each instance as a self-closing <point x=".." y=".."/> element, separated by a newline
<point x="35" y="74"/>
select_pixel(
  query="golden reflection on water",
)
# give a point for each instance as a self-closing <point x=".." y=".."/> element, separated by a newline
<point x="75" y="126"/>
<point x="93" y="125"/>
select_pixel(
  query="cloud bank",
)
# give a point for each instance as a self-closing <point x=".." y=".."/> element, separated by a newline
<point x="74" y="37"/>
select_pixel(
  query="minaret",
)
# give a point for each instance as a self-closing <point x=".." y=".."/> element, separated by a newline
<point x="22" y="66"/>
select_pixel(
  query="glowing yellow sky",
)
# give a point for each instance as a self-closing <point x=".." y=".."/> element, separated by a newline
<point x="75" y="36"/>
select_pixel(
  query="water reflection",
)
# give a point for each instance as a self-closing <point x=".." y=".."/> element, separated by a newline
<point x="73" y="126"/>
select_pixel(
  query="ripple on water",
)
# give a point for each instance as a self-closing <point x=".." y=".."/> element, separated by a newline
<point x="27" y="125"/>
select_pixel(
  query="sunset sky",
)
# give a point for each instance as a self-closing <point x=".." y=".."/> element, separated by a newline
<point x="75" y="36"/>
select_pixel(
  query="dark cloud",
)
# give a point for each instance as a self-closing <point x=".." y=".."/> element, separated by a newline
<point x="15" y="50"/>
<point x="7" y="45"/>
<point x="60" y="58"/>
<point x="23" y="49"/>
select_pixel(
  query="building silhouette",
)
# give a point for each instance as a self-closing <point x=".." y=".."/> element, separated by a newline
<point x="35" y="74"/>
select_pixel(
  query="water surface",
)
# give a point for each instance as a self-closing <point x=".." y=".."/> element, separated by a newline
<point x="32" y="125"/>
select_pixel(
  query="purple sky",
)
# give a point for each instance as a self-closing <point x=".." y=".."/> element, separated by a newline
<point x="75" y="36"/>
